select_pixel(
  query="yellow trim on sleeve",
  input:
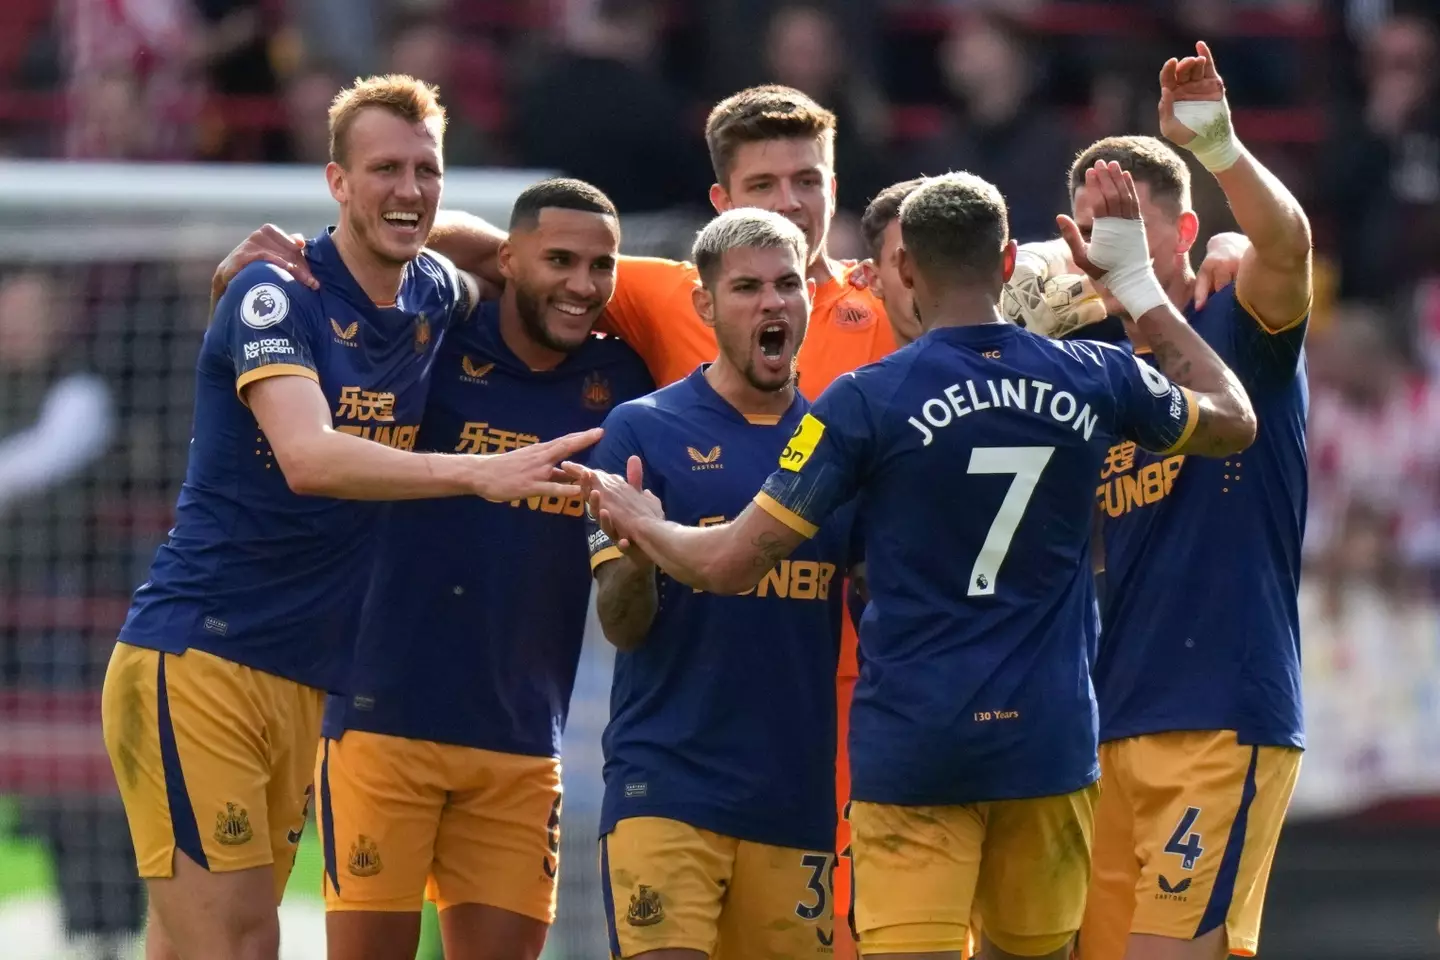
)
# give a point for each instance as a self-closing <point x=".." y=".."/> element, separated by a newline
<point x="272" y="370"/>
<point x="785" y="515"/>
<point x="605" y="556"/>
<point x="1191" y="419"/>
<point x="1245" y="305"/>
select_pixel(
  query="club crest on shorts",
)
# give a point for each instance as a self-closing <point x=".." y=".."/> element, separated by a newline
<point x="232" y="826"/>
<point x="365" y="857"/>
<point x="645" y="908"/>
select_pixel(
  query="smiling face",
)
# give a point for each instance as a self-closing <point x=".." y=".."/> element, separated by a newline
<point x="758" y="301"/>
<point x="388" y="182"/>
<point x="562" y="273"/>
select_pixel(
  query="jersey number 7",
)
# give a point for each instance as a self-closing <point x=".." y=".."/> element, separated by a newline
<point x="1026" y="463"/>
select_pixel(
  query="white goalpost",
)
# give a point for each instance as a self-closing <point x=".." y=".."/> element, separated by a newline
<point x="104" y="292"/>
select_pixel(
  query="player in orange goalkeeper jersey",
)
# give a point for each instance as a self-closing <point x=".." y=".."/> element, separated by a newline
<point x="770" y="147"/>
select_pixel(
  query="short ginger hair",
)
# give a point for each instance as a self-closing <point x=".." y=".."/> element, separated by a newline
<point x="408" y="98"/>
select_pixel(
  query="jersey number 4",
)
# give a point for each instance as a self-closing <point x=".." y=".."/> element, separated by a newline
<point x="1183" y="843"/>
<point x="1026" y="464"/>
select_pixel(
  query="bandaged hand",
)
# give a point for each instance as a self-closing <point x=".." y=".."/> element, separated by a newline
<point x="1047" y="294"/>
<point x="1194" y="113"/>
<point x="1118" y="253"/>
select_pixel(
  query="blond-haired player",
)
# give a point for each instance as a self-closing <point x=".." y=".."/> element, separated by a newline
<point x="771" y="147"/>
<point x="307" y="401"/>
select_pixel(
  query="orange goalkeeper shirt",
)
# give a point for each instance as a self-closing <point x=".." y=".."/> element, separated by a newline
<point x="653" y="311"/>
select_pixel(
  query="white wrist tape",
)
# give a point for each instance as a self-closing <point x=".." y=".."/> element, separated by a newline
<point x="1119" y="247"/>
<point x="1214" y="145"/>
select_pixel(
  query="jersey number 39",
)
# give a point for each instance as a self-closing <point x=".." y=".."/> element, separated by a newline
<point x="1026" y="464"/>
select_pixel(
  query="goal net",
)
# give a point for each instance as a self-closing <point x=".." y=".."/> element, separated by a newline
<point x="104" y="290"/>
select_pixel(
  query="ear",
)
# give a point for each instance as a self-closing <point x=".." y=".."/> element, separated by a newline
<point x="1187" y="226"/>
<point x="335" y="179"/>
<point x="1007" y="261"/>
<point x="505" y="258"/>
<point x="720" y="198"/>
<point x="810" y="288"/>
<point x="704" y="304"/>
<point x="905" y="266"/>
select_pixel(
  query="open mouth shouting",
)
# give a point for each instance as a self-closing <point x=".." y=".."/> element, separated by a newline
<point x="775" y="342"/>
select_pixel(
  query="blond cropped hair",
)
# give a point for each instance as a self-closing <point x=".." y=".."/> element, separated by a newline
<point x="409" y="99"/>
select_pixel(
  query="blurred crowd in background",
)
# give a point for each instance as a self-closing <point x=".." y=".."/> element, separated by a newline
<point x="1340" y="97"/>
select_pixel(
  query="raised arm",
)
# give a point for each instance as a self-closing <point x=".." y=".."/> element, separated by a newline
<point x="1274" y="280"/>
<point x="318" y="460"/>
<point x="1119" y="256"/>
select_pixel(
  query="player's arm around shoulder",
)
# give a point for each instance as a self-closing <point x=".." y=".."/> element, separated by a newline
<point x="462" y="289"/>
<point x="265" y="326"/>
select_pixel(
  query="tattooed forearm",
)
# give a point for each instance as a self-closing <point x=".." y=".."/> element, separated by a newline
<point x="771" y="550"/>
<point x="1213" y="433"/>
<point x="1226" y="421"/>
<point x="1172" y="361"/>
<point x="625" y="601"/>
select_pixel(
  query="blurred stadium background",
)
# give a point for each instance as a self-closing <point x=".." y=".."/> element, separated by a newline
<point x="143" y="138"/>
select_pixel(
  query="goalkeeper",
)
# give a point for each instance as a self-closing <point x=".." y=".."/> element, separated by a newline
<point x="1046" y="294"/>
<point x="1049" y="295"/>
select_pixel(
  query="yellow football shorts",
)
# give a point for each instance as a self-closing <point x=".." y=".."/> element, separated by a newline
<point x="1184" y="837"/>
<point x="1019" y="866"/>
<point x="402" y="821"/>
<point x="668" y="885"/>
<point x="213" y="759"/>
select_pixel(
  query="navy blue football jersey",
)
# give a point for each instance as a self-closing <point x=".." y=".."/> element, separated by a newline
<point x="472" y="629"/>
<point x="724" y="717"/>
<point x="1202" y="560"/>
<point x="972" y="453"/>
<point x="253" y="572"/>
